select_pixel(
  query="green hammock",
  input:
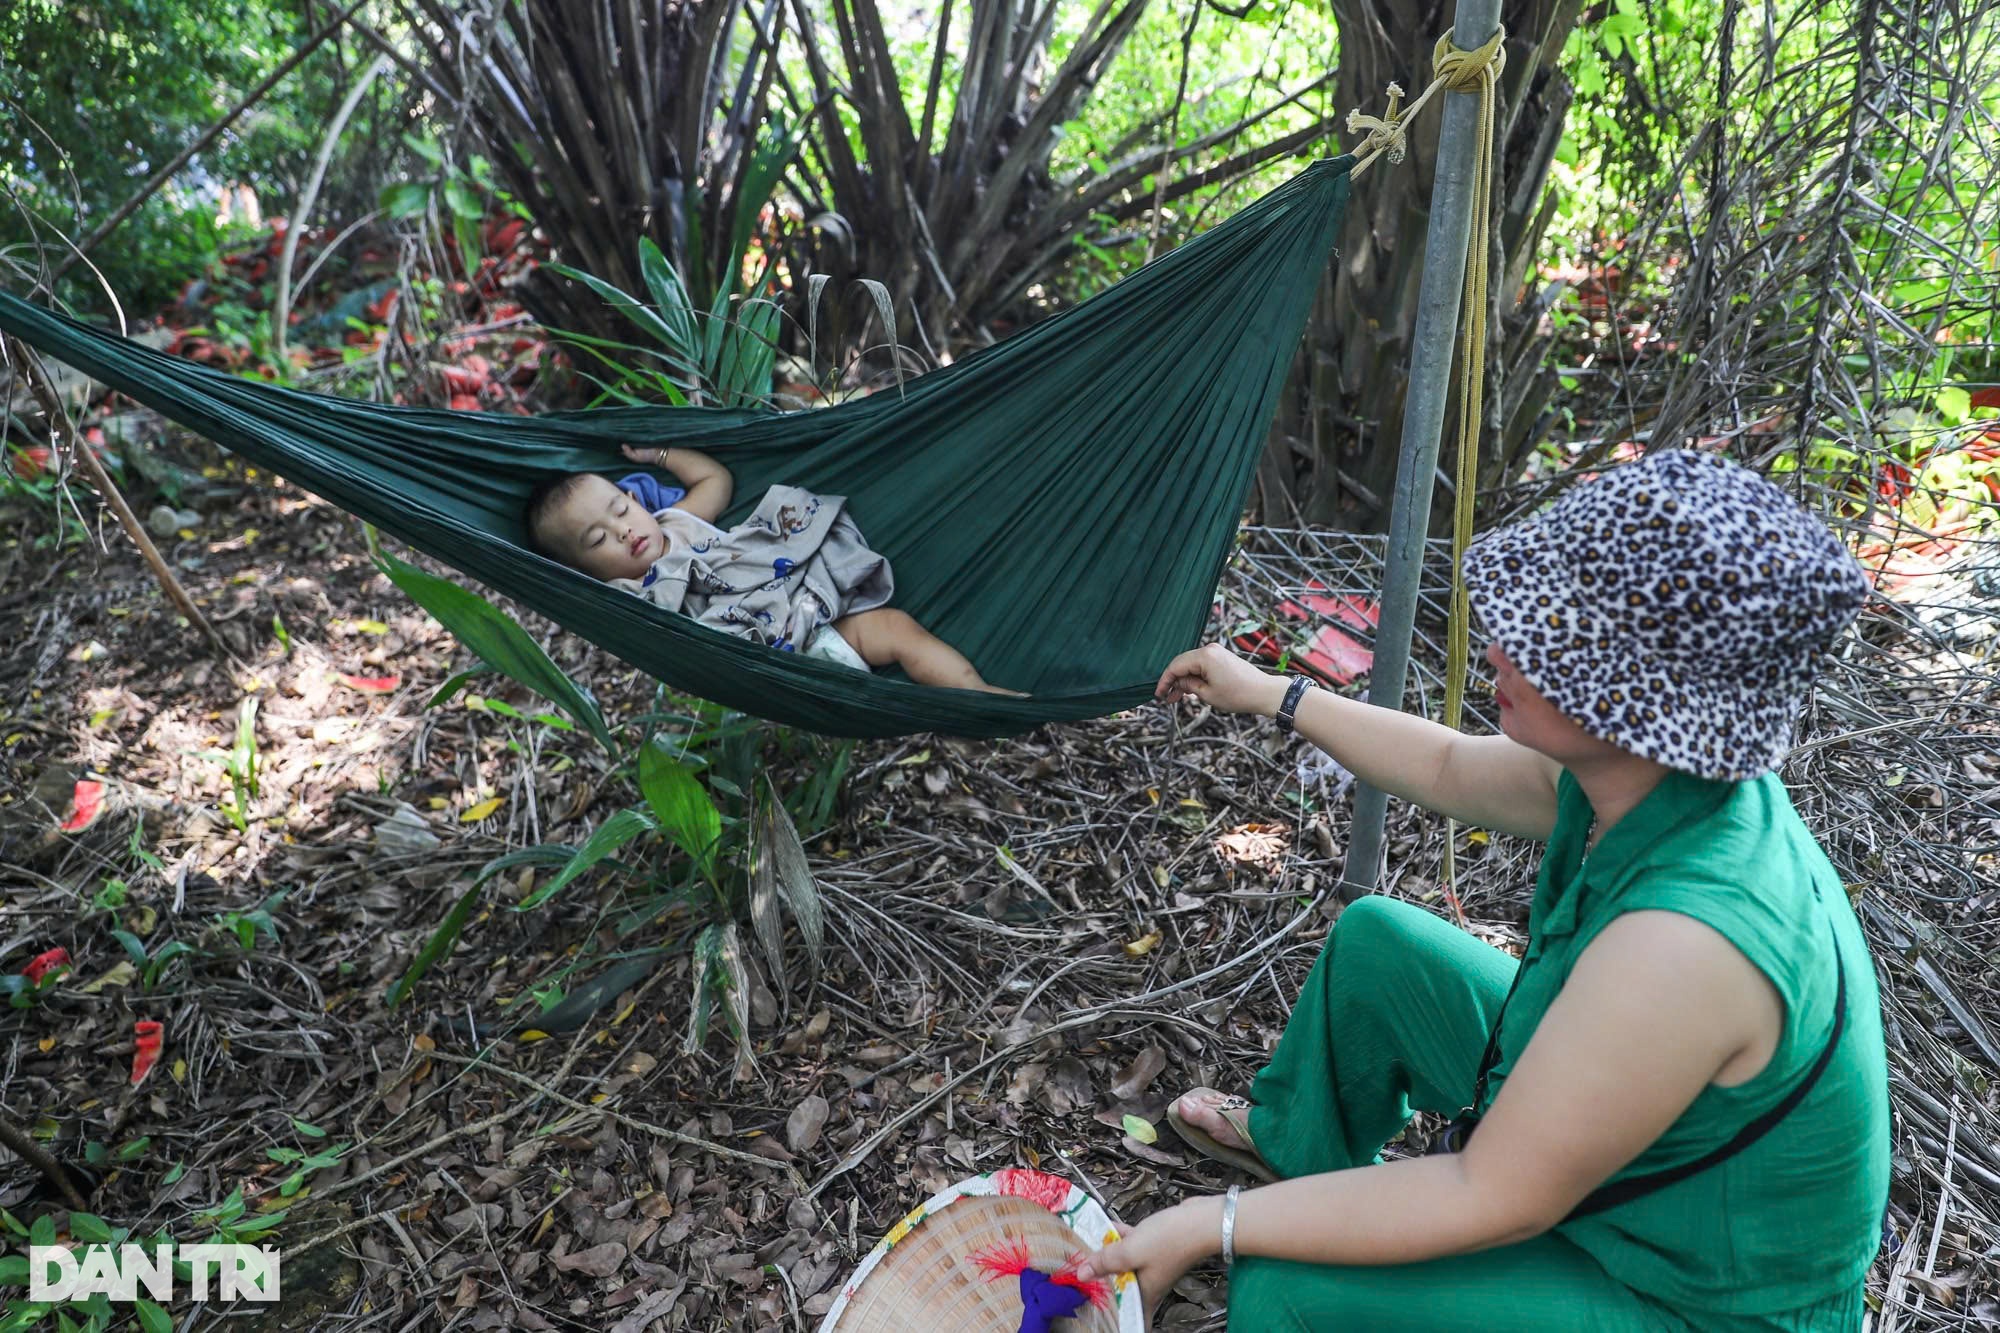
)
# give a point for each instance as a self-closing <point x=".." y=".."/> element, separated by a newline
<point x="1058" y="506"/>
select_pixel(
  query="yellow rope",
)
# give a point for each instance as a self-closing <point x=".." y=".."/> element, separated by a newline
<point x="1478" y="72"/>
<point x="1475" y="72"/>
<point x="1453" y="69"/>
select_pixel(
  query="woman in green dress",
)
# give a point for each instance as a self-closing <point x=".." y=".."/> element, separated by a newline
<point x="1680" y="1091"/>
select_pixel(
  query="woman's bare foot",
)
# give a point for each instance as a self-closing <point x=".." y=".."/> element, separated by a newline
<point x="1217" y="1124"/>
<point x="1223" y="1116"/>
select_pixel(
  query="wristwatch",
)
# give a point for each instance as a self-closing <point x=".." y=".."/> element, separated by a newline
<point x="1288" y="710"/>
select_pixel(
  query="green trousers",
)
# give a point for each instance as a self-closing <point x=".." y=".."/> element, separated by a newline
<point x="1393" y="1019"/>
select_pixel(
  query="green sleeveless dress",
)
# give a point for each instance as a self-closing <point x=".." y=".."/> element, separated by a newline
<point x="1396" y="1015"/>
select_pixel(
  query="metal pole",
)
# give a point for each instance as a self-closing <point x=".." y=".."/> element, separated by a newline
<point x="1423" y="423"/>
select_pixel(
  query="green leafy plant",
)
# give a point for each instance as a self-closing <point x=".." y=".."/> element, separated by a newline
<point x="304" y="1163"/>
<point x="151" y="964"/>
<point x="462" y="195"/>
<point x="723" y="355"/>
<point x="90" y="1314"/>
<point x="709" y="798"/>
<point x="239" y="761"/>
<point x="245" y="927"/>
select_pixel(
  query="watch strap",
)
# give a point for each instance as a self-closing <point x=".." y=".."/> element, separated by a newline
<point x="1288" y="710"/>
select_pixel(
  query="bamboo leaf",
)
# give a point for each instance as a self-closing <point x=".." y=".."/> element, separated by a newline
<point x="887" y="312"/>
<point x="498" y="640"/>
<point x="706" y="959"/>
<point x="764" y="910"/>
<point x="629" y="306"/>
<point x="438" y="947"/>
<point x="736" y="994"/>
<point x="607" y="838"/>
<point x="670" y="295"/>
<point x="792" y="874"/>
<point x="815" y="284"/>
<point x="685" y="810"/>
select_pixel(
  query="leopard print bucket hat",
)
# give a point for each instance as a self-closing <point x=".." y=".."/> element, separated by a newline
<point x="1675" y="608"/>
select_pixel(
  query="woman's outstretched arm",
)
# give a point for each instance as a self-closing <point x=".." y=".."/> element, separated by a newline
<point x="1489" y="781"/>
<point x="1657" y="1007"/>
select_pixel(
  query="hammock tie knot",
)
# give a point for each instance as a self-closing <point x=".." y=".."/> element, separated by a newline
<point x="1453" y="69"/>
<point x="1461" y="71"/>
<point x="1385" y="132"/>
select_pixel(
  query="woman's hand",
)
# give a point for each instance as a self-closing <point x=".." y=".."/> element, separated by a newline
<point x="651" y="457"/>
<point x="1160" y="1249"/>
<point x="1222" y="680"/>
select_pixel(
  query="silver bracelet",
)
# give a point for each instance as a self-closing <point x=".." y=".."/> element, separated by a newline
<point x="1229" y="1225"/>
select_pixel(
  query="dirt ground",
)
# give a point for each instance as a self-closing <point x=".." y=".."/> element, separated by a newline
<point x="1028" y="942"/>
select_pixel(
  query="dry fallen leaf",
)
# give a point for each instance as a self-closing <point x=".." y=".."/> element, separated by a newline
<point x="803" y="1126"/>
<point x="1145" y="944"/>
<point x="597" y="1261"/>
<point x="1148" y="1153"/>
<point x="474" y="813"/>
<point x="1133" y="1080"/>
<point x="119" y="974"/>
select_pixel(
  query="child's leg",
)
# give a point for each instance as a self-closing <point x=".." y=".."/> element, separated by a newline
<point x="887" y="636"/>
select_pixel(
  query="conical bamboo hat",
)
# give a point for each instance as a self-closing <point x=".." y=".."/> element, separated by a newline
<point x="925" y="1275"/>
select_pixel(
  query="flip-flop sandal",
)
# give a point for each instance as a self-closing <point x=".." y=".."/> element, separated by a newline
<point x="1247" y="1160"/>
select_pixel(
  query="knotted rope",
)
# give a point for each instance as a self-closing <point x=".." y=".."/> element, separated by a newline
<point x="1453" y="69"/>
<point x="1477" y="72"/>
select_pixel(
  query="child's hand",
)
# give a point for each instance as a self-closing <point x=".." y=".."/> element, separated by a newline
<point x="651" y="457"/>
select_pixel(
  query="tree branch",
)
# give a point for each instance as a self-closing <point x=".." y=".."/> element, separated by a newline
<point x="60" y="427"/>
<point x="23" y="1145"/>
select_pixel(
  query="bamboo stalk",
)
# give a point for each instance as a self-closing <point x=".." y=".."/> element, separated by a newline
<point x="281" y="303"/>
<point x="34" y="1154"/>
<point x="59" y="427"/>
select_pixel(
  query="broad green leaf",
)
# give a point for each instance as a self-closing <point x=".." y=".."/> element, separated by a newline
<point x="1954" y="405"/>
<point x="463" y="199"/>
<point x="769" y="157"/>
<point x="605" y="839"/>
<point x="152" y="1318"/>
<point x="465" y="230"/>
<point x="426" y="148"/>
<point x="498" y="640"/>
<point x="406" y="199"/>
<point x="1141" y="1129"/>
<point x="89" y="1228"/>
<point x="686" y="811"/>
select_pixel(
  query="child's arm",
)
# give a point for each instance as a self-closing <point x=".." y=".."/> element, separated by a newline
<point x="709" y="484"/>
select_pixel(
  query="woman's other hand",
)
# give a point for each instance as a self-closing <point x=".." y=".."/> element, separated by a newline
<point x="1222" y="680"/>
<point x="1160" y="1249"/>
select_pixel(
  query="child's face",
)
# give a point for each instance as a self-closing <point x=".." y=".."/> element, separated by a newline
<point x="602" y="531"/>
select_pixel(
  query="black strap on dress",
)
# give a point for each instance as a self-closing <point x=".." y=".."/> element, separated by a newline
<point x="1617" y="1192"/>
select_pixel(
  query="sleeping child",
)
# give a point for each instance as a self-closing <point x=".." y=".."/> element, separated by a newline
<point x="795" y="575"/>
